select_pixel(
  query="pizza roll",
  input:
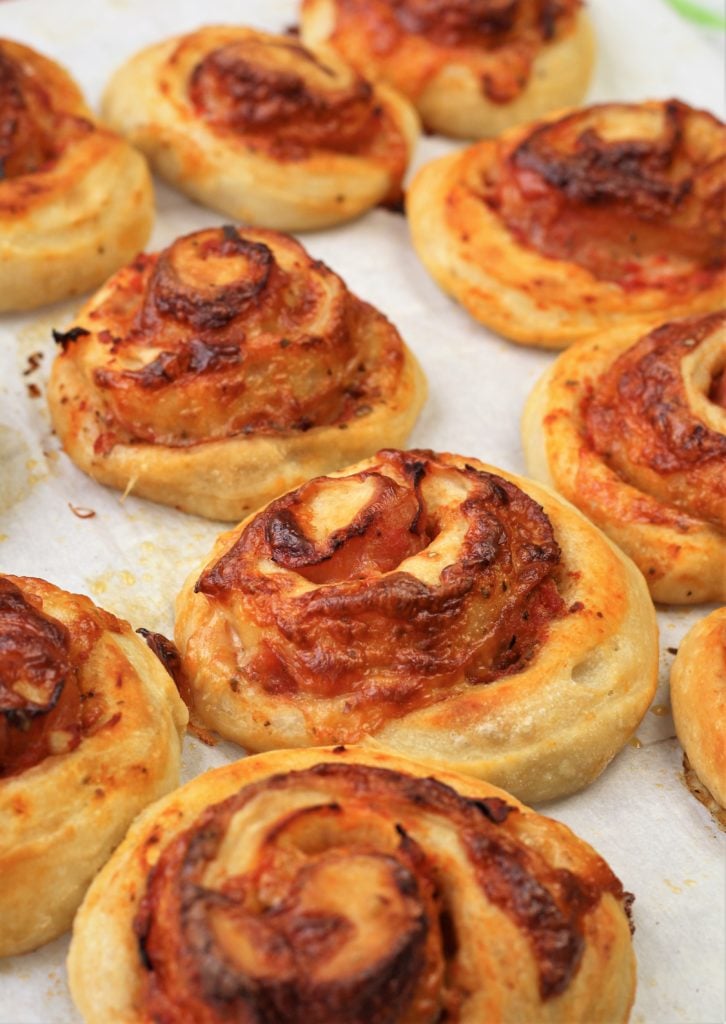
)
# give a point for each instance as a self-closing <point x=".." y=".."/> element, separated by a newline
<point x="75" y="199"/>
<point x="262" y="129"/>
<point x="229" y="367"/>
<point x="612" y="215"/>
<point x="698" y="700"/>
<point x="431" y="606"/>
<point x="323" y="886"/>
<point x="90" y="732"/>
<point x="472" y="67"/>
<point x="631" y="427"/>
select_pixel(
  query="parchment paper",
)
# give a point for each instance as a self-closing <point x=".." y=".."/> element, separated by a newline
<point x="132" y="556"/>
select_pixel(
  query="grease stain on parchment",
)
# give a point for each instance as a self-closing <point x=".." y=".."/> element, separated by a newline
<point x="118" y="592"/>
<point x="18" y="470"/>
<point x="145" y="589"/>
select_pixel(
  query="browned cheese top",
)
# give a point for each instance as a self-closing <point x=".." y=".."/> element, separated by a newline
<point x="41" y="115"/>
<point x="634" y="194"/>
<point x="271" y="97"/>
<point x="345" y="606"/>
<point x="410" y="41"/>
<point x="228" y="332"/>
<point x="638" y="417"/>
<point x="321" y="896"/>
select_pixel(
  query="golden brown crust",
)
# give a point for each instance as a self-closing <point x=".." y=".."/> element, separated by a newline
<point x="628" y="428"/>
<point x="423" y="604"/>
<point x="608" y="216"/>
<point x="471" y="69"/>
<point x="230" y="366"/>
<point x="313" y="885"/>
<point x="64" y="222"/>
<point x="698" y="699"/>
<point x="262" y="129"/>
<point x="66" y="805"/>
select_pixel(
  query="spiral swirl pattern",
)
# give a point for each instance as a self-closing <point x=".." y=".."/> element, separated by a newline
<point x="391" y="586"/>
<point x="631" y="427"/>
<point x="349" y="891"/>
<point x="90" y="733"/>
<point x="285" y="97"/>
<point x="227" y="335"/>
<point x="635" y="195"/>
<point x="264" y="129"/>
<point x="422" y="602"/>
<point x="639" y="417"/>
<point x="228" y="332"/>
<point x="41" y="113"/>
<point x="608" y="216"/>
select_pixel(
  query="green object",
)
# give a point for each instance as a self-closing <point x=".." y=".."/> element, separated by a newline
<point x="694" y="12"/>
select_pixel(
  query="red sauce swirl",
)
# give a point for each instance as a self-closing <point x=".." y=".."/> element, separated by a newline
<point x="478" y="23"/>
<point x="638" y="417"/>
<point x="338" y="907"/>
<point x="228" y="332"/>
<point x="280" y="90"/>
<point x="39" y="694"/>
<point x="635" y="195"/>
<point x="411" y="41"/>
<point x="33" y="130"/>
<point x="370" y="629"/>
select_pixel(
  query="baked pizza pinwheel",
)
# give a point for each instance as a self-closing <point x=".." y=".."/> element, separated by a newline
<point x="612" y="215"/>
<point x="263" y="129"/>
<point x="630" y="426"/>
<point x="227" y="368"/>
<point x="75" y="199"/>
<point x="431" y="606"/>
<point x="344" y="886"/>
<point x="698" y="700"/>
<point x="472" y="67"/>
<point x="90" y="733"/>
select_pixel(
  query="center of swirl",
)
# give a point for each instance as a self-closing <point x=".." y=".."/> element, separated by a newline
<point x="39" y="699"/>
<point x="631" y="194"/>
<point x="205" y="279"/>
<point x="391" y="586"/>
<point x="348" y="529"/>
<point x="276" y="87"/>
<point x="345" y="892"/>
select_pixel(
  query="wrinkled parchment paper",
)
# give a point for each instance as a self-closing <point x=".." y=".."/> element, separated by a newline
<point x="131" y="556"/>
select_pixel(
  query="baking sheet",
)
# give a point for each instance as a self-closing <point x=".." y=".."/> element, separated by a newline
<point x="131" y="556"/>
